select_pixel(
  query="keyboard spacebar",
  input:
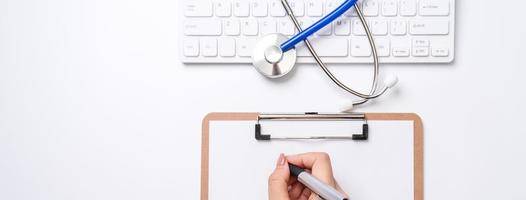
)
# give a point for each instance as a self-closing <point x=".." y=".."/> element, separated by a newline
<point x="326" y="47"/>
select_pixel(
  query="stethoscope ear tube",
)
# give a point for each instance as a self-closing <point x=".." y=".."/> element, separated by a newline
<point x="275" y="56"/>
<point x="365" y="97"/>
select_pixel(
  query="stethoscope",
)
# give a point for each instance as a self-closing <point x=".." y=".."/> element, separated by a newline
<point x="275" y="55"/>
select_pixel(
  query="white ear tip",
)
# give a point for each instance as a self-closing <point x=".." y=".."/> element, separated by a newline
<point x="347" y="108"/>
<point x="391" y="81"/>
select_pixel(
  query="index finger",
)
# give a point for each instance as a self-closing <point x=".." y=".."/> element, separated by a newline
<point x="318" y="162"/>
<point x="310" y="160"/>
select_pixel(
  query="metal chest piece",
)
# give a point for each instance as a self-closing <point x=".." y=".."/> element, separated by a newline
<point x="269" y="59"/>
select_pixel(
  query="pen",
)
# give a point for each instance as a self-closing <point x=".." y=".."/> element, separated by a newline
<point x="315" y="185"/>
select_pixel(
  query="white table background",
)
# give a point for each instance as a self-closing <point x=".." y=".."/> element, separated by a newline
<point x="94" y="103"/>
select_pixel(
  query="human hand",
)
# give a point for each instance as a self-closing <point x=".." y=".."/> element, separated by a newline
<point x="281" y="186"/>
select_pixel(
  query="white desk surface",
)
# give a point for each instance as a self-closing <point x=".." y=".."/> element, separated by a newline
<point x="94" y="103"/>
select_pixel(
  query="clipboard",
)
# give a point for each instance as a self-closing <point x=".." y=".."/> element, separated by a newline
<point x="417" y="138"/>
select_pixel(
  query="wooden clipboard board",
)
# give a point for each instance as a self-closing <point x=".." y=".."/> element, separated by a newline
<point x="418" y="140"/>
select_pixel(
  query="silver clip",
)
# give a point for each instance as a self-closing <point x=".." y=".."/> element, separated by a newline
<point x="313" y="116"/>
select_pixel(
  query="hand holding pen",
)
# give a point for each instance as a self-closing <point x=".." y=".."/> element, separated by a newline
<point x="284" y="186"/>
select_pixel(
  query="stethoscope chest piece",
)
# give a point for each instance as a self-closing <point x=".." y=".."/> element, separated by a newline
<point x="269" y="59"/>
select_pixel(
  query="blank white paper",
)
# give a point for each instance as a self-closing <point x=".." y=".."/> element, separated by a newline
<point x="380" y="168"/>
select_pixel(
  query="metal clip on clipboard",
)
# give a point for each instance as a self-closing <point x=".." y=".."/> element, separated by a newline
<point x="313" y="116"/>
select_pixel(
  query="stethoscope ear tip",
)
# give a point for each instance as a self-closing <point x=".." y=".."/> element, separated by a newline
<point x="391" y="81"/>
<point x="347" y="108"/>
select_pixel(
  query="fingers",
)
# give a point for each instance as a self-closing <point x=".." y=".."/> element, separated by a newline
<point x="319" y="164"/>
<point x="296" y="190"/>
<point x="284" y="187"/>
<point x="278" y="180"/>
<point x="314" y="197"/>
<point x="306" y="193"/>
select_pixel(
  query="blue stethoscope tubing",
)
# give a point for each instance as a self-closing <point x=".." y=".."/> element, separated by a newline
<point x="340" y="10"/>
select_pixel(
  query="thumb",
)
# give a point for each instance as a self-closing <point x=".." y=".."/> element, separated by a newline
<point x="278" y="180"/>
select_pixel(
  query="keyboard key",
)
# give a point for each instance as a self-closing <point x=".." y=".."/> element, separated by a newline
<point x="439" y="51"/>
<point x="201" y="8"/>
<point x="267" y="26"/>
<point x="360" y="47"/>
<point x="383" y="47"/>
<point x="209" y="47"/>
<point x="276" y="9"/>
<point x="420" y="43"/>
<point x="407" y="7"/>
<point x="231" y="27"/>
<point x="286" y="27"/>
<point x="420" y="51"/>
<point x="434" y="7"/>
<point x="351" y="13"/>
<point x="245" y="46"/>
<point x="191" y="47"/>
<point x="241" y="8"/>
<point x="400" y="47"/>
<point x="342" y="27"/>
<point x="314" y="8"/>
<point x="201" y="27"/>
<point x="326" y="47"/>
<point x="389" y="8"/>
<point x="227" y="47"/>
<point x="379" y="27"/>
<point x="401" y="51"/>
<point x="223" y="8"/>
<point x="305" y="23"/>
<point x="331" y="5"/>
<point x="259" y="8"/>
<point x="429" y="27"/>
<point x="357" y="27"/>
<point x="249" y="27"/>
<point x="298" y="7"/>
<point x="398" y="27"/>
<point x="370" y="8"/>
<point x="325" y="31"/>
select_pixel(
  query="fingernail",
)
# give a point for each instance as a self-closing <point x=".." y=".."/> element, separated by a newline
<point x="281" y="160"/>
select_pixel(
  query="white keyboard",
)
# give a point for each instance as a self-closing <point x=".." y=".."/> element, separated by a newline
<point x="405" y="31"/>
